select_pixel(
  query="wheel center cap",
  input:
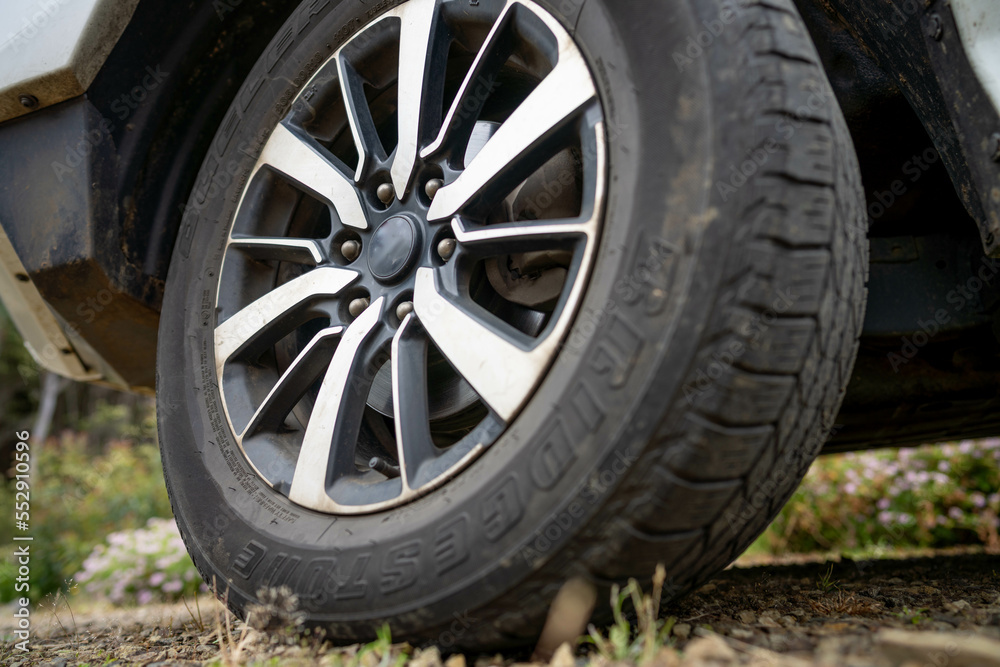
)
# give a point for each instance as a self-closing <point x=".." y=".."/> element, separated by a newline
<point x="393" y="248"/>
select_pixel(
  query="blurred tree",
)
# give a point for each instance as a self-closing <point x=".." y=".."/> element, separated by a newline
<point x="19" y="388"/>
<point x="45" y="404"/>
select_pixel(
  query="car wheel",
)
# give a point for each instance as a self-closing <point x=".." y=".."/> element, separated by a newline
<point x="474" y="297"/>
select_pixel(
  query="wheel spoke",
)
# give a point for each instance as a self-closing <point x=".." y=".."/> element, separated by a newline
<point x="329" y="444"/>
<point x="517" y="236"/>
<point x="410" y="401"/>
<point x="307" y="164"/>
<point x="459" y="122"/>
<point x="359" y="114"/>
<point x="294" y="382"/>
<point x="299" y="251"/>
<point x="422" y="57"/>
<point x="503" y="162"/>
<point x="502" y="372"/>
<point x="267" y="319"/>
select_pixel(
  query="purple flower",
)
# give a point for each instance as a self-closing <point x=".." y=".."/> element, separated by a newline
<point x="990" y="443"/>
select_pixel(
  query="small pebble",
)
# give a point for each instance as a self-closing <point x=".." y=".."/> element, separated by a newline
<point x="563" y="657"/>
<point x="709" y="649"/>
<point x="428" y="657"/>
<point x="958" y="606"/>
<point x="490" y="661"/>
<point x="666" y="657"/>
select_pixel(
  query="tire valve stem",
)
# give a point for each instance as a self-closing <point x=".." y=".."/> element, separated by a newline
<point x="380" y="465"/>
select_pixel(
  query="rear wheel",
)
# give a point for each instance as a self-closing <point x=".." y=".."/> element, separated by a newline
<point x="471" y="298"/>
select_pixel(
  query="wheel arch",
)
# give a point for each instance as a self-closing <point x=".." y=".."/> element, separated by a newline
<point x="95" y="233"/>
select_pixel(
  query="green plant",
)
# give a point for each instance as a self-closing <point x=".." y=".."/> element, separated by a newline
<point x="143" y="565"/>
<point x="80" y="496"/>
<point x="914" y="616"/>
<point x="868" y="504"/>
<point x="826" y="581"/>
<point x="641" y="643"/>
<point x="381" y="648"/>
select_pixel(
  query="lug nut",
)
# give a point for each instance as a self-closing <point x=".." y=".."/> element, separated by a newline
<point x="433" y="186"/>
<point x="404" y="309"/>
<point x="935" y="27"/>
<point x="358" y="306"/>
<point x="446" y="248"/>
<point x="351" y="250"/>
<point x="386" y="193"/>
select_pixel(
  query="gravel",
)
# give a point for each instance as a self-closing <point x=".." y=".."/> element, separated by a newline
<point x="942" y="611"/>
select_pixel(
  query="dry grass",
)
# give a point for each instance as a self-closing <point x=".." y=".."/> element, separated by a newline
<point x="846" y="604"/>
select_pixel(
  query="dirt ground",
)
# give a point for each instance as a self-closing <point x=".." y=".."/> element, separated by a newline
<point x="940" y="611"/>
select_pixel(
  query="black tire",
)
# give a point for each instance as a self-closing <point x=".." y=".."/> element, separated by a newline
<point x="702" y="375"/>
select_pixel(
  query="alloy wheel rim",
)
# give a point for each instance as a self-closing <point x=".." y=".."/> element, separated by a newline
<point x="379" y="326"/>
